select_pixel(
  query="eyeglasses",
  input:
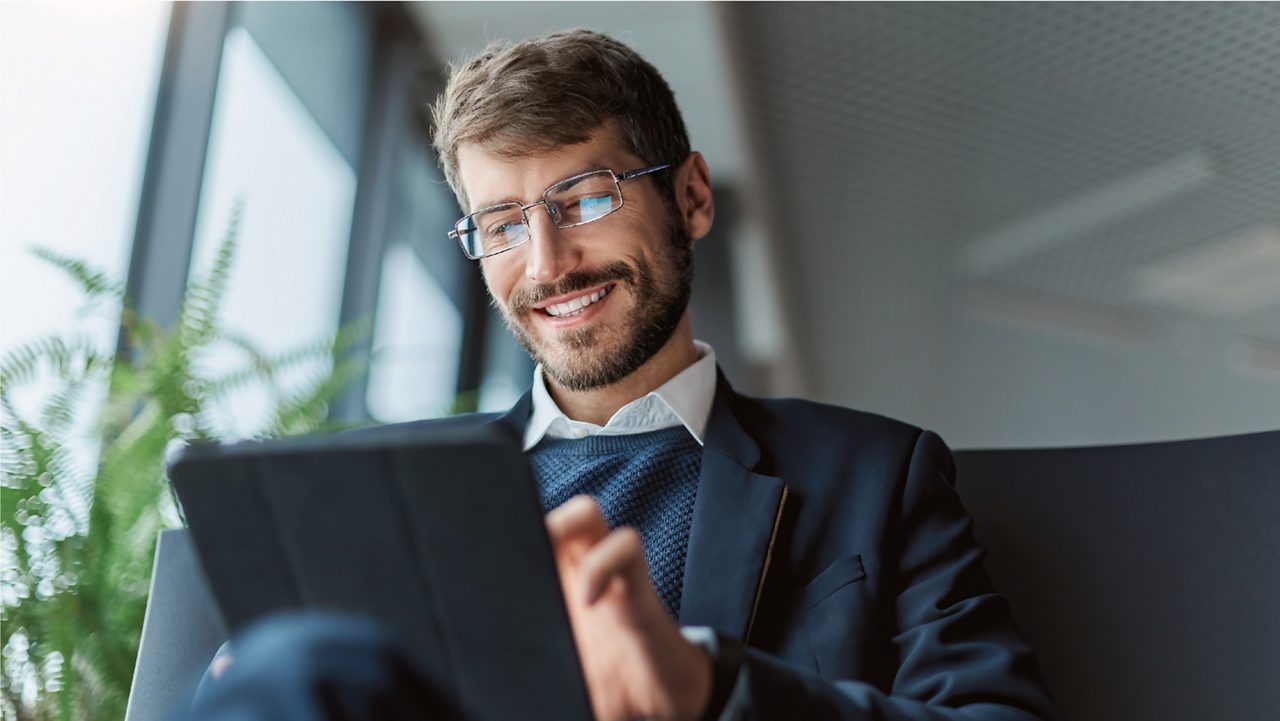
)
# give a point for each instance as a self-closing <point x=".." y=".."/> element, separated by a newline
<point x="575" y="201"/>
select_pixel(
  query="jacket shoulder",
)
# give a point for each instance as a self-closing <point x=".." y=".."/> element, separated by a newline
<point x="459" y="422"/>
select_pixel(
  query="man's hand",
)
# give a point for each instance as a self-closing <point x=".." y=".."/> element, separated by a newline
<point x="220" y="665"/>
<point x="636" y="662"/>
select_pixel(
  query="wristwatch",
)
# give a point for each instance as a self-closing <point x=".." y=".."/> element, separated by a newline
<point x="726" y="666"/>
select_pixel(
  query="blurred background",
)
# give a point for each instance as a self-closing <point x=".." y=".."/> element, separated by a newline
<point x="1016" y="224"/>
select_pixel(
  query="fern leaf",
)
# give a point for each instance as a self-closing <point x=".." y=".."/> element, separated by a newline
<point x="198" y="315"/>
<point x="92" y="281"/>
<point x="52" y="353"/>
<point x="59" y="412"/>
<point x="307" y="411"/>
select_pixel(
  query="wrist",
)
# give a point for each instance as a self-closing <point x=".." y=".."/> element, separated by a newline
<point x="726" y="655"/>
<point x="700" y="682"/>
<point x="726" y="672"/>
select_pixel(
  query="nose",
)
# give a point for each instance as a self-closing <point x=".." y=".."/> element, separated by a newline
<point x="549" y="255"/>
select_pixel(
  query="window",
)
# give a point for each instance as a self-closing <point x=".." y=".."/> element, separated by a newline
<point x="73" y="138"/>
<point x="268" y="155"/>
<point x="415" y="343"/>
<point x="418" y="319"/>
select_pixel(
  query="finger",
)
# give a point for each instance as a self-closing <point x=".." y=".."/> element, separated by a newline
<point x="577" y="518"/>
<point x="220" y="665"/>
<point x="620" y="554"/>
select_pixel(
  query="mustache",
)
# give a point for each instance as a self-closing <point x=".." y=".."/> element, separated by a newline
<point x="521" y="301"/>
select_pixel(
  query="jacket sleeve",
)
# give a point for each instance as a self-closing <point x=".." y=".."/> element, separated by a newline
<point x="959" y="656"/>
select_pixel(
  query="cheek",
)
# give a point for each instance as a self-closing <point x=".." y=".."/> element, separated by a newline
<point x="498" y="279"/>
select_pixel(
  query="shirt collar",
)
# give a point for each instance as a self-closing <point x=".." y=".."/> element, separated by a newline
<point x="685" y="400"/>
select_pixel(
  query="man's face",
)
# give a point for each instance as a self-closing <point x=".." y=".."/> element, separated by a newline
<point x="630" y="272"/>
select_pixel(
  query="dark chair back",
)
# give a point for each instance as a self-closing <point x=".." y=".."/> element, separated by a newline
<point x="1146" y="577"/>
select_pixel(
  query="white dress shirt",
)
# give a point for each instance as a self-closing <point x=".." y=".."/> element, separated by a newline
<point x="685" y="400"/>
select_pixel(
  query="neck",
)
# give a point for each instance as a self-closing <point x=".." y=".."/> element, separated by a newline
<point x="599" y="404"/>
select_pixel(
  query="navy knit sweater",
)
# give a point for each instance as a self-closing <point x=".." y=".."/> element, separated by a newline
<point x="648" y="481"/>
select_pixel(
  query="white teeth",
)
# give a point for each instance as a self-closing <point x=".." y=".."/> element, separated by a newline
<point x="575" y="306"/>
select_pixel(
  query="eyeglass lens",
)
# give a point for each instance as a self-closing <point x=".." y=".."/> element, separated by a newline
<point x="572" y="202"/>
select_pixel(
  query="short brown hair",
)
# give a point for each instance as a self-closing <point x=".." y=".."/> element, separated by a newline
<point x="545" y="93"/>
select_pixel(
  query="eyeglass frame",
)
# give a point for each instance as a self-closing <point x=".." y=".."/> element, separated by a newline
<point x="618" y="178"/>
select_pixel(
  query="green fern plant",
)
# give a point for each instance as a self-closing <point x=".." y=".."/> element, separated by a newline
<point x="77" y="547"/>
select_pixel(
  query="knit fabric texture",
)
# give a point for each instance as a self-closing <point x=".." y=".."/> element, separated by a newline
<point x="648" y="481"/>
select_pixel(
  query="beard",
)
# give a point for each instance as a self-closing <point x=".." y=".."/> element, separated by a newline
<point x="583" y="359"/>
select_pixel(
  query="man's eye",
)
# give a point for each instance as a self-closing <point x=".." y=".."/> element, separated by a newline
<point x="591" y="200"/>
<point x="502" y="228"/>
<point x="593" y="206"/>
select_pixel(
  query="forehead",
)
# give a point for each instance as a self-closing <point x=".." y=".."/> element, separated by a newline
<point x="489" y="178"/>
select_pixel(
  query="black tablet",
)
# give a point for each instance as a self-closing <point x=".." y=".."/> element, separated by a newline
<point x="437" y="535"/>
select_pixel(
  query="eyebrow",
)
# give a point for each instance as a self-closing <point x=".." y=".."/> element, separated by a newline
<point x="511" y="199"/>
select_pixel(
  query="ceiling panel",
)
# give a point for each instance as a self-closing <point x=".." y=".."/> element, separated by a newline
<point x="1096" y="140"/>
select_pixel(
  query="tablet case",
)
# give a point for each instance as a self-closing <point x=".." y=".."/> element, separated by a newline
<point x="437" y="535"/>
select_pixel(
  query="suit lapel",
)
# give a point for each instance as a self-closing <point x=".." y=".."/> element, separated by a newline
<point x="735" y="521"/>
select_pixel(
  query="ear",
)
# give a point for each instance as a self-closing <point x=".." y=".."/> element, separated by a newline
<point x="693" y="195"/>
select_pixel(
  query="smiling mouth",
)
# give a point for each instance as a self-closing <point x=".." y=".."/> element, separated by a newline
<point x="577" y="305"/>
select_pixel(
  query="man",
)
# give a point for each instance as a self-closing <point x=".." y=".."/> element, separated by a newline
<point x="721" y="556"/>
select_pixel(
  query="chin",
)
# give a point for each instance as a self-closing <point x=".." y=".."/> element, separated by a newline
<point x="583" y="365"/>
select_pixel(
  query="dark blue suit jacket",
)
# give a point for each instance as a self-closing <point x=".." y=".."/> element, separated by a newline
<point x="833" y="543"/>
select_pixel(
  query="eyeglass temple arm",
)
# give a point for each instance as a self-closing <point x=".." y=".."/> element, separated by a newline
<point x="643" y="171"/>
